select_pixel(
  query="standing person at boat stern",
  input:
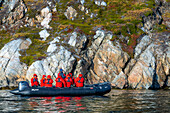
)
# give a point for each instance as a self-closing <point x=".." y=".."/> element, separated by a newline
<point x="34" y="81"/>
<point x="61" y="73"/>
<point x="48" y="81"/>
<point x="79" y="81"/>
<point x="43" y="81"/>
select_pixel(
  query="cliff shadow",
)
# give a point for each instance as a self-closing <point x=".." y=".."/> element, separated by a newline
<point x="155" y="84"/>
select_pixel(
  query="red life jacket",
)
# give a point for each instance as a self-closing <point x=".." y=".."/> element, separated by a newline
<point x="48" y="82"/>
<point x="73" y="79"/>
<point x="79" y="82"/>
<point x="34" y="81"/>
<point x="69" y="81"/>
<point x="42" y="82"/>
<point x="60" y="82"/>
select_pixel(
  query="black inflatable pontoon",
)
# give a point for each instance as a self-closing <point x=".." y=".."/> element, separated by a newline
<point x="96" y="89"/>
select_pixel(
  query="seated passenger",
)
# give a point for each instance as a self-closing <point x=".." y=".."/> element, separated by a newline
<point x="73" y="79"/>
<point x="60" y="82"/>
<point x="43" y="81"/>
<point x="68" y="81"/>
<point x="48" y="81"/>
<point x="61" y="73"/>
<point x="34" y="81"/>
<point x="79" y="81"/>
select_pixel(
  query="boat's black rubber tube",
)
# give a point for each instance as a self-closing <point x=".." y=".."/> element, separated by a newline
<point x="95" y="89"/>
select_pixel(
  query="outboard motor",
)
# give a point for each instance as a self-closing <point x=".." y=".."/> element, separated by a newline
<point x="23" y="85"/>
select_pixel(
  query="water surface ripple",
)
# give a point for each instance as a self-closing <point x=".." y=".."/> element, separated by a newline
<point x="121" y="101"/>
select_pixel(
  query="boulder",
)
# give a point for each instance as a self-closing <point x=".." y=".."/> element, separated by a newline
<point x="100" y="3"/>
<point x="81" y="7"/>
<point x="44" y="34"/>
<point x="47" y="17"/>
<point x="120" y="81"/>
<point x="77" y="40"/>
<point x="70" y="13"/>
<point x="82" y="2"/>
<point x="73" y="40"/>
<point x="52" y="47"/>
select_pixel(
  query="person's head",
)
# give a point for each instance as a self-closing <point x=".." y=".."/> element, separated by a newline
<point x="35" y="75"/>
<point x="61" y="70"/>
<point x="48" y="77"/>
<point x="80" y="75"/>
<point x="70" y="74"/>
<point x="44" y="76"/>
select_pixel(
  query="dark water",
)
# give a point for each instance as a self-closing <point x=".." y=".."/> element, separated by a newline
<point x="121" y="101"/>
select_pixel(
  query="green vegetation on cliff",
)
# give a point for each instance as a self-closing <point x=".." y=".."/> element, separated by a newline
<point x="36" y="50"/>
<point x="121" y="17"/>
<point x="4" y="38"/>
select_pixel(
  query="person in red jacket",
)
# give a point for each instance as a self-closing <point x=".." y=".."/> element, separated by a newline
<point x="60" y="82"/>
<point x="34" y="81"/>
<point x="48" y="81"/>
<point x="73" y="79"/>
<point x="43" y="81"/>
<point x="79" y="81"/>
<point x="69" y="81"/>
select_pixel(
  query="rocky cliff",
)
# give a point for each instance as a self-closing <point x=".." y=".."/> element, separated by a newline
<point x="127" y="45"/>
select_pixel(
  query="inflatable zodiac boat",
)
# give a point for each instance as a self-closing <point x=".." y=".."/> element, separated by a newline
<point x="95" y="89"/>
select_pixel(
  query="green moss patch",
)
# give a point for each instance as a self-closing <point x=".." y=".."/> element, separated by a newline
<point x="5" y="37"/>
<point x="37" y="50"/>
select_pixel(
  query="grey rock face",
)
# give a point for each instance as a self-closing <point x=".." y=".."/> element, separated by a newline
<point x="61" y="58"/>
<point x="152" y="64"/>
<point x="12" y="4"/>
<point x="13" y="11"/>
<point x="11" y="69"/>
<point x="103" y="62"/>
<point x="142" y="45"/>
<point x="156" y="17"/>
<point x="141" y="75"/>
<point x="87" y="57"/>
<point x="60" y="55"/>
<point x="109" y="62"/>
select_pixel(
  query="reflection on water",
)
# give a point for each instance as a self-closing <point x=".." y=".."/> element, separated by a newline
<point x="142" y="101"/>
<point x="59" y="104"/>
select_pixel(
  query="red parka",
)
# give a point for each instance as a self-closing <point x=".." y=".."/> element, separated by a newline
<point x="48" y="81"/>
<point x="43" y="81"/>
<point x="34" y="80"/>
<point x="79" y="81"/>
<point x="60" y="82"/>
<point x="73" y="79"/>
<point x="69" y="81"/>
